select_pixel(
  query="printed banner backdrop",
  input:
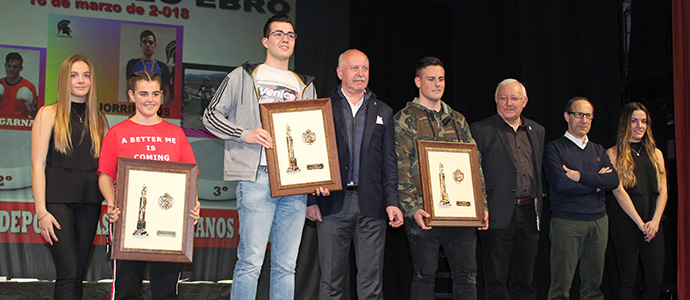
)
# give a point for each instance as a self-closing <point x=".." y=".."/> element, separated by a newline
<point x="33" y="69"/>
<point x="86" y="36"/>
<point x="216" y="35"/>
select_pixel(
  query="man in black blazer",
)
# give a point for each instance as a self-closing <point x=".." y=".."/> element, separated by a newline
<point x="511" y="148"/>
<point x="364" y="132"/>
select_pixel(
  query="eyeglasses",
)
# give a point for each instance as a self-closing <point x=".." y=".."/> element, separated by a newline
<point x="512" y="98"/>
<point x="279" y="34"/>
<point x="580" y="115"/>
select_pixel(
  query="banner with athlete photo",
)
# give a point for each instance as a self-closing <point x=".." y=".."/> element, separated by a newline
<point x="117" y="49"/>
<point x="22" y="86"/>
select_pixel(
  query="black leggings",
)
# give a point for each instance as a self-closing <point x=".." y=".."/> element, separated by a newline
<point x="71" y="251"/>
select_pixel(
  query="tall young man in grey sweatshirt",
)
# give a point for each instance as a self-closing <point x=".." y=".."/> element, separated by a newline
<point x="233" y="115"/>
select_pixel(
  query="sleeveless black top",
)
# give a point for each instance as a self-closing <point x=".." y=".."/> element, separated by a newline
<point x="80" y="158"/>
<point x="72" y="177"/>
<point x="644" y="193"/>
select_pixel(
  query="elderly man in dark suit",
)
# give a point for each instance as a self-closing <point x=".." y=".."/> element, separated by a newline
<point x="511" y="148"/>
<point x="364" y="133"/>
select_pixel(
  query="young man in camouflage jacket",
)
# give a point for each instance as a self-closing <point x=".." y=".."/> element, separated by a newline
<point x="428" y="118"/>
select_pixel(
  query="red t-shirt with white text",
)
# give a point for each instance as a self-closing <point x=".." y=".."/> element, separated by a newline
<point x="163" y="142"/>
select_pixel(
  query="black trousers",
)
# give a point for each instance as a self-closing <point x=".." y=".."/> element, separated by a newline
<point x="631" y="250"/>
<point x="460" y="247"/>
<point x="335" y="235"/>
<point x="128" y="275"/>
<point x="509" y="255"/>
<point x="71" y="251"/>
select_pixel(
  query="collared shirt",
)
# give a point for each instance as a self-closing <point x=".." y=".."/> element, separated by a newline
<point x="355" y="132"/>
<point x="526" y="183"/>
<point x="354" y="107"/>
<point x="580" y="143"/>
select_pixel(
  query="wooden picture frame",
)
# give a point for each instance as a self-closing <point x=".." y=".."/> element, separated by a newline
<point x="451" y="184"/>
<point x="167" y="192"/>
<point x="304" y="154"/>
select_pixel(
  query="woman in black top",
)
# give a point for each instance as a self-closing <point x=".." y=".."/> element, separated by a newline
<point x="640" y="201"/>
<point x="65" y="143"/>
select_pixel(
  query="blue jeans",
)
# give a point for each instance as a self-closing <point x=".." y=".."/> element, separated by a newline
<point x="261" y="215"/>
<point x="459" y="245"/>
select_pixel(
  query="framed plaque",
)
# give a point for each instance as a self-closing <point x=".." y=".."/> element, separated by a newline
<point x="451" y="184"/>
<point x="155" y="198"/>
<point x="304" y="154"/>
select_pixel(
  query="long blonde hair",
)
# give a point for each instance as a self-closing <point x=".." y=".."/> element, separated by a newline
<point x="624" y="160"/>
<point x="93" y="123"/>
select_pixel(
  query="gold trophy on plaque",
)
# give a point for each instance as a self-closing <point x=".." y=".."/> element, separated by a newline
<point x="292" y="168"/>
<point x="141" y="223"/>
<point x="445" y="202"/>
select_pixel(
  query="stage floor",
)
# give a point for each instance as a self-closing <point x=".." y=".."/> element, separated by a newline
<point x="33" y="290"/>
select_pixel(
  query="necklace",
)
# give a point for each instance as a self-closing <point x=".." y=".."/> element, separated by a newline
<point x="636" y="152"/>
<point x="82" y="120"/>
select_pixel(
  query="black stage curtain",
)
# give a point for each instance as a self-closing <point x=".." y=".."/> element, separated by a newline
<point x="557" y="49"/>
<point x="395" y="35"/>
<point x="323" y="29"/>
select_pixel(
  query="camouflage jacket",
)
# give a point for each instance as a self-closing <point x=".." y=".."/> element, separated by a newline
<point x="416" y="122"/>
